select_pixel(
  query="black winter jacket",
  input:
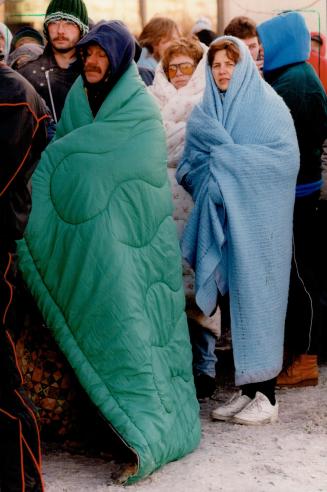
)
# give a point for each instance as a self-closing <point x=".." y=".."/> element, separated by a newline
<point x="22" y="139"/>
<point x="60" y="79"/>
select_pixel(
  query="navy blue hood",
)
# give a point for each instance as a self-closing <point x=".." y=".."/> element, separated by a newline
<point x="285" y="40"/>
<point x="119" y="45"/>
<point x="116" y="40"/>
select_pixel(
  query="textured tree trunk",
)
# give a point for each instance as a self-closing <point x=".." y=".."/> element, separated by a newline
<point x="220" y="16"/>
<point x="142" y="11"/>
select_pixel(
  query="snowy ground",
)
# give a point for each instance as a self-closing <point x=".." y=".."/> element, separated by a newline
<point x="289" y="456"/>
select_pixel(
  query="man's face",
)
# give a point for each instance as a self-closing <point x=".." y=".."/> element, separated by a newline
<point x="253" y="45"/>
<point x="96" y="64"/>
<point x="63" y="35"/>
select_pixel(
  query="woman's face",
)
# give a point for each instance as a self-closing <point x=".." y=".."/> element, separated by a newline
<point x="222" y="70"/>
<point x="180" y="70"/>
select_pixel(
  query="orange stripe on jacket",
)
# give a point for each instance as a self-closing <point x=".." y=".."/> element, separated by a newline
<point x="38" y="121"/>
<point x="10" y="289"/>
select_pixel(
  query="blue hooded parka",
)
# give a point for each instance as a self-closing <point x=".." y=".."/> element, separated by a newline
<point x="286" y="42"/>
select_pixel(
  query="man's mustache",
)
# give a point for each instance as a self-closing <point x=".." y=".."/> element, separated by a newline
<point x="60" y="38"/>
<point x="92" y="68"/>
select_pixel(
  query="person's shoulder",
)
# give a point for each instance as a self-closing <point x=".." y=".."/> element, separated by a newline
<point x="302" y="92"/>
<point x="305" y="81"/>
<point x="290" y="78"/>
<point x="146" y="75"/>
<point x="13" y="79"/>
<point x="300" y="71"/>
<point x="32" y="67"/>
<point x="19" y="89"/>
<point x="313" y="77"/>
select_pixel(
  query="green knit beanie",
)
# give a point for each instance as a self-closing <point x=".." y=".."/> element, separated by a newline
<point x="71" y="10"/>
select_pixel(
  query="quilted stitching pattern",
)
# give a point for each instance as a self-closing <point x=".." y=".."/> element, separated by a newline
<point x="102" y="258"/>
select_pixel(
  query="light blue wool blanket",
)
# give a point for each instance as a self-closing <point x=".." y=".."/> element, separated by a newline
<point x="240" y="165"/>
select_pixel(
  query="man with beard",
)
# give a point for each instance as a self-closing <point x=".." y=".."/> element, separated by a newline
<point x="55" y="71"/>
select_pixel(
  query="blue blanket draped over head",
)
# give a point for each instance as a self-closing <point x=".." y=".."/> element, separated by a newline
<point x="240" y="165"/>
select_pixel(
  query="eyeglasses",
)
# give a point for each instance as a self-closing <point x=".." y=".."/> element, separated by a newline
<point x="185" y="68"/>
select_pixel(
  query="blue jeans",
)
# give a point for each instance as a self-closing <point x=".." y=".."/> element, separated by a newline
<point x="203" y="347"/>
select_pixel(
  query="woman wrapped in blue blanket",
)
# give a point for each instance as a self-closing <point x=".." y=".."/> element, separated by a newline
<point x="240" y="165"/>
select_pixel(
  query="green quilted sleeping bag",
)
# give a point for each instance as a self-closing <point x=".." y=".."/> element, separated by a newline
<point x="101" y="258"/>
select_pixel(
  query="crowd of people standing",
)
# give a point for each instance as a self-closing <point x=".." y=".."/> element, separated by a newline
<point x="233" y="128"/>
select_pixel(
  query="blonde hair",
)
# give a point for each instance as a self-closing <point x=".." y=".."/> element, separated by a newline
<point x="156" y="29"/>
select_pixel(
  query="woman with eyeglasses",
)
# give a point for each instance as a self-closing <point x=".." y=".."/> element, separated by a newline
<point x="240" y="165"/>
<point x="177" y="87"/>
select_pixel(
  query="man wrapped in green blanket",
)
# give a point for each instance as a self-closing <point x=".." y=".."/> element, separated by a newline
<point x="102" y="259"/>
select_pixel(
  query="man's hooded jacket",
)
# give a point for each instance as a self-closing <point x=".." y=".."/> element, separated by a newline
<point x="120" y="55"/>
<point x="101" y="257"/>
<point x="120" y="51"/>
<point x="286" y="42"/>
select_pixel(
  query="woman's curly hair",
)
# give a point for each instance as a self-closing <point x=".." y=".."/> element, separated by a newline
<point x="187" y="47"/>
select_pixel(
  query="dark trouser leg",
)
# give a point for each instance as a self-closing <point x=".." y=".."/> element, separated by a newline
<point x="225" y="311"/>
<point x="20" y="458"/>
<point x="302" y="320"/>
<point x="267" y="388"/>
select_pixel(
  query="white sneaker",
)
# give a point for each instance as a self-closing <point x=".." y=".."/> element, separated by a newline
<point x="258" y="411"/>
<point x="231" y="407"/>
